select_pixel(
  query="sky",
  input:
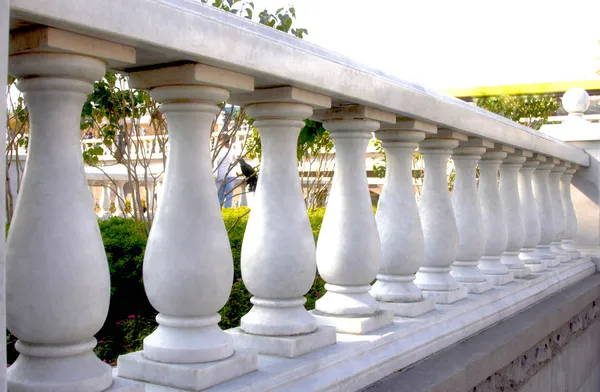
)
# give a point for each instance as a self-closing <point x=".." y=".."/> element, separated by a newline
<point x="458" y="43"/>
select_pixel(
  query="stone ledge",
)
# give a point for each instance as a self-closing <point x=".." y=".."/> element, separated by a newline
<point x="525" y="340"/>
<point x="357" y="361"/>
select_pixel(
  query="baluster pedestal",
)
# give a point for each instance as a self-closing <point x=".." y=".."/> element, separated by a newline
<point x="57" y="278"/>
<point x="349" y="248"/>
<point x="188" y="267"/>
<point x="494" y="221"/>
<point x="515" y="223"/>
<point x="439" y="225"/>
<point x="399" y="224"/>
<point x="570" y="216"/>
<point x="278" y="254"/>
<point x="542" y="198"/>
<point x="469" y="221"/>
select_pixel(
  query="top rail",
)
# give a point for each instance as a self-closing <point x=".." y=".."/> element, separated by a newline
<point x="161" y="35"/>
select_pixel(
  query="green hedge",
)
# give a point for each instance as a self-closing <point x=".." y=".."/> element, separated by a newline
<point x="131" y="317"/>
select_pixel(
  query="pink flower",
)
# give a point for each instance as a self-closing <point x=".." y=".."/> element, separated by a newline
<point x="131" y="316"/>
<point x="100" y="341"/>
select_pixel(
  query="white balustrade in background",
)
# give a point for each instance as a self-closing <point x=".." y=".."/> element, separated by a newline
<point x="494" y="221"/>
<point x="469" y="220"/>
<point x="439" y="225"/>
<point x="399" y="224"/>
<point x="348" y="247"/>
<point x="513" y="213"/>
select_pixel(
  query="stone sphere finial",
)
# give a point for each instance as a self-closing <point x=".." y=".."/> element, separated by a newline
<point x="576" y="101"/>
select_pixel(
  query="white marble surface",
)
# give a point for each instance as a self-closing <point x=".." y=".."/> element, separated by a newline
<point x="358" y="360"/>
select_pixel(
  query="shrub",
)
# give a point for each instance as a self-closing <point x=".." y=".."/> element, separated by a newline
<point x="131" y="317"/>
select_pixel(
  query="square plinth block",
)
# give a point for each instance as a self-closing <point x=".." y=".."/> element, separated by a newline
<point x="284" y="346"/>
<point x="521" y="272"/>
<point x="551" y="263"/>
<point x="409" y="309"/>
<point x="501" y="280"/>
<point x="477" y="287"/>
<point x="192" y="377"/>
<point x="537" y="267"/>
<point x="447" y="297"/>
<point x="355" y="325"/>
<point x="124" y="385"/>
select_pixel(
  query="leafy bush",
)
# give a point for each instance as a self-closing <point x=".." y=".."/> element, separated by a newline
<point x="131" y="317"/>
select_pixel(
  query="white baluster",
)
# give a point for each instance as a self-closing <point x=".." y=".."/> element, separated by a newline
<point x="105" y="198"/>
<point x="542" y="197"/>
<point x="57" y="280"/>
<point x="278" y="254"/>
<point x="515" y="221"/>
<point x="531" y="217"/>
<point x="558" y="214"/>
<point x="570" y="216"/>
<point x="188" y="267"/>
<point x="348" y="248"/>
<point x="150" y="195"/>
<point x="469" y="220"/>
<point x="399" y="224"/>
<point x="439" y="225"/>
<point x="121" y="199"/>
<point x="494" y="221"/>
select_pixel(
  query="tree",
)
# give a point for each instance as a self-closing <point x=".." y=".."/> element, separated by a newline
<point x="113" y="114"/>
<point x="531" y="110"/>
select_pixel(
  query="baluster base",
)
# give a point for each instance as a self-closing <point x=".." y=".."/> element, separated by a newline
<point x="567" y="246"/>
<point x="556" y="248"/>
<point x="187" y="340"/>
<point x="42" y="372"/>
<point x="531" y="261"/>
<point x="355" y="325"/>
<point x="284" y="346"/>
<point x="544" y="253"/>
<point x="470" y="277"/>
<point x="195" y="377"/>
<point x="409" y="309"/>
<point x="399" y="294"/>
<point x="278" y="317"/>
<point x="515" y="264"/>
<point x="495" y="271"/>
<point x="446" y="297"/>
<point x="347" y="301"/>
<point x="477" y="287"/>
<point x="437" y="283"/>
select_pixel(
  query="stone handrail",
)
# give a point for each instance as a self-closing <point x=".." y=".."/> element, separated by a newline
<point x="444" y="268"/>
<point x="272" y="57"/>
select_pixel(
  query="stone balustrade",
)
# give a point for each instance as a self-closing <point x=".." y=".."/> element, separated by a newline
<point x="443" y="268"/>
